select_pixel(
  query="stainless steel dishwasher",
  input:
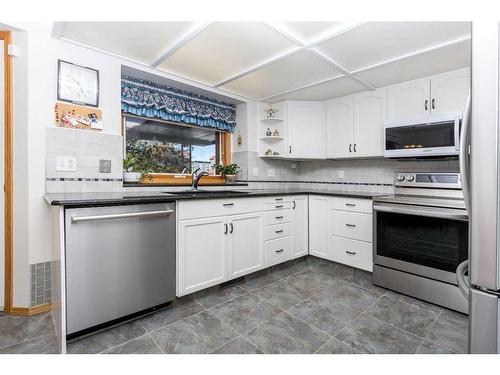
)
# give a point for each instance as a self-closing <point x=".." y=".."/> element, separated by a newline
<point x="120" y="260"/>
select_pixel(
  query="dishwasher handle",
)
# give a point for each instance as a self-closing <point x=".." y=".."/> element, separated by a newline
<point x="82" y="219"/>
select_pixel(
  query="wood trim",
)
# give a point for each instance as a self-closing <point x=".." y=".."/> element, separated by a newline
<point x="31" y="310"/>
<point x="226" y="154"/>
<point x="180" y="180"/>
<point x="6" y="36"/>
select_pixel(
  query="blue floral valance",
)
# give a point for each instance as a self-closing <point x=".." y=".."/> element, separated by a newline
<point x="149" y="99"/>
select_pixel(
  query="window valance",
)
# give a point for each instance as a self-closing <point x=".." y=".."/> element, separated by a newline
<point x="149" y="99"/>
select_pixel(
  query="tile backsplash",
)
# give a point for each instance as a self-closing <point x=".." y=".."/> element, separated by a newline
<point x="88" y="149"/>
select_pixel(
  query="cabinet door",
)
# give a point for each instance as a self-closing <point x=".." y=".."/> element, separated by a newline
<point x="305" y="129"/>
<point x="369" y="118"/>
<point x="338" y="125"/>
<point x="245" y="244"/>
<point x="408" y="100"/>
<point x="319" y="226"/>
<point x="449" y="91"/>
<point x="300" y="227"/>
<point x="202" y="252"/>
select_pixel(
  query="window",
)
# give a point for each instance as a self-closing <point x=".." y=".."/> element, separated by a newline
<point x="161" y="147"/>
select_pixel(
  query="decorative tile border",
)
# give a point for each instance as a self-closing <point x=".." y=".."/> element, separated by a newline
<point x="316" y="182"/>
<point x="83" y="179"/>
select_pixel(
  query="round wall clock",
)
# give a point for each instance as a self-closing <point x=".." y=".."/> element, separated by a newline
<point x="77" y="84"/>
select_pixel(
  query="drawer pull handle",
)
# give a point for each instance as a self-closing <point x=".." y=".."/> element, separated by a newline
<point x="350" y="252"/>
<point x="351" y="225"/>
<point x="232" y="228"/>
<point x="279" y="251"/>
<point x="279" y="231"/>
<point x="227" y="204"/>
<point x="279" y="217"/>
<point x="278" y="199"/>
<point x="279" y="206"/>
<point x="225" y="228"/>
<point x="350" y="204"/>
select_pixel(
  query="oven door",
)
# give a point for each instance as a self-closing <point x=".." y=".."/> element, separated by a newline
<point x="439" y="137"/>
<point x="426" y="241"/>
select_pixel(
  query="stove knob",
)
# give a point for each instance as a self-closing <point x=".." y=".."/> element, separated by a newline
<point x="400" y="177"/>
<point x="410" y="178"/>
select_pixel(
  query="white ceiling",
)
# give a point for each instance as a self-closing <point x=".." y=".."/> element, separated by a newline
<point x="284" y="60"/>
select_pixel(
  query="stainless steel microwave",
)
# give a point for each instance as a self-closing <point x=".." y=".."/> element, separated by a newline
<point x="438" y="135"/>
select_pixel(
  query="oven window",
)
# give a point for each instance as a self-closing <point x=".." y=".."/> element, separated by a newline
<point x="433" y="242"/>
<point x="411" y="137"/>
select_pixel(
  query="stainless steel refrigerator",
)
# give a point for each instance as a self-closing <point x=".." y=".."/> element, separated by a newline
<point x="480" y="171"/>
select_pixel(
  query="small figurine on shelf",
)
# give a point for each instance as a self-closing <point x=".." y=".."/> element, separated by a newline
<point x="269" y="132"/>
<point x="270" y="112"/>
<point x="268" y="152"/>
<point x="276" y="133"/>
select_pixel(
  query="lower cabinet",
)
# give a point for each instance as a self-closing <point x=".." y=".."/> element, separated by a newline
<point x="354" y="253"/>
<point x="319" y="226"/>
<point x="300" y="226"/>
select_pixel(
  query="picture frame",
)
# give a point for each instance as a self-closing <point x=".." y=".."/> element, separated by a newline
<point x="77" y="84"/>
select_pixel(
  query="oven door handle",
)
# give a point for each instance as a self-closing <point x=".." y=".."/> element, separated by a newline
<point x="444" y="213"/>
<point x="462" y="283"/>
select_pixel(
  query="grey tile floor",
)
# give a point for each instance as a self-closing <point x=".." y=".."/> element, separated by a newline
<point x="308" y="306"/>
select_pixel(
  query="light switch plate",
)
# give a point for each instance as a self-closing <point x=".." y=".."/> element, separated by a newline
<point x="65" y="164"/>
<point x="341" y="173"/>
<point x="104" y="166"/>
<point x="256" y="171"/>
<point x="270" y="172"/>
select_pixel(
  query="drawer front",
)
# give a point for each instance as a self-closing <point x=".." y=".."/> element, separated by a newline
<point x="278" y="199"/>
<point x="278" y="206"/>
<point x="278" y="250"/>
<point x="352" y="204"/>
<point x="282" y="216"/>
<point x="353" y="225"/>
<point x="278" y="231"/>
<point x="199" y="208"/>
<point x="354" y="253"/>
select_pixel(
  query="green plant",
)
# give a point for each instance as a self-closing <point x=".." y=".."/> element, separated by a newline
<point x="129" y="163"/>
<point x="226" y="170"/>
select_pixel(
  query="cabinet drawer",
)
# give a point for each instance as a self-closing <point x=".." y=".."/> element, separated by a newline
<point x="278" y="199"/>
<point x="278" y="231"/>
<point x="278" y="206"/>
<point x="282" y="216"/>
<point x="352" y="204"/>
<point x="278" y="250"/>
<point x="354" y="253"/>
<point x="199" y="208"/>
<point x="353" y="225"/>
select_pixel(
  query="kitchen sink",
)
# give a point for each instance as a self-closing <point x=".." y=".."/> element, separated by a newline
<point x="195" y="193"/>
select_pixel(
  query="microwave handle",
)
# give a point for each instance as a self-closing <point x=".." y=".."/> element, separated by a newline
<point x="464" y="154"/>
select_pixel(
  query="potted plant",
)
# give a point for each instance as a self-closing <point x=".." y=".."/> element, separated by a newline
<point x="227" y="171"/>
<point x="132" y="170"/>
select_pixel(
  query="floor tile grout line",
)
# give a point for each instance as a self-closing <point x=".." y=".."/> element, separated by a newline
<point x="220" y="346"/>
<point x="27" y="340"/>
<point x="414" y="304"/>
<point x="120" y="344"/>
<point x="152" y="338"/>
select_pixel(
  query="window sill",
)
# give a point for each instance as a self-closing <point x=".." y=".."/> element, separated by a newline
<point x="158" y="184"/>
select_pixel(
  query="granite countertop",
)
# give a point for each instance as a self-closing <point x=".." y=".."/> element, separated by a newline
<point x="102" y="199"/>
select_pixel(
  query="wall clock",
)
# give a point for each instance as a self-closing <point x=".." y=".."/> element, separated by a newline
<point x="77" y="84"/>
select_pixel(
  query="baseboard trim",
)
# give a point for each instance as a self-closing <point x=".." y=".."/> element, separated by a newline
<point x="31" y="310"/>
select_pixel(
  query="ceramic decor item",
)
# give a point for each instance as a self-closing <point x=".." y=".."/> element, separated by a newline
<point x="276" y="133"/>
<point x="269" y="132"/>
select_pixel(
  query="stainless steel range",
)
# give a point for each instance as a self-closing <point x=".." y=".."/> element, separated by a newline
<point x="420" y="238"/>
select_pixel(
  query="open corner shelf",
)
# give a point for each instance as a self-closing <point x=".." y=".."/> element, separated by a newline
<point x="272" y="138"/>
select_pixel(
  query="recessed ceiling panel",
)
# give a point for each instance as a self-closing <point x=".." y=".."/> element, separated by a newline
<point x="449" y="58"/>
<point x="294" y="71"/>
<point x="311" y="30"/>
<point x="142" y="41"/>
<point x="323" y="91"/>
<point x="224" y="49"/>
<point x="379" y="41"/>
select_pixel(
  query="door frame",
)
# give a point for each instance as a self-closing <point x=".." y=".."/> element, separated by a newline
<point x="6" y="36"/>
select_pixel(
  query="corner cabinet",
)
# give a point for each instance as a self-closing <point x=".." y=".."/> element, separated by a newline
<point x="305" y="130"/>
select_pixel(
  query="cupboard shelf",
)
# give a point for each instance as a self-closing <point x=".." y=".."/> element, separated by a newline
<point x="272" y="138"/>
<point x="272" y="119"/>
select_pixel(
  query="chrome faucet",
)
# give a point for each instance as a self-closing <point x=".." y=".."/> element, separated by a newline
<point x="196" y="178"/>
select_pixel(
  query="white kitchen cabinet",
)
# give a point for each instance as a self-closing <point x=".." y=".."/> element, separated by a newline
<point x="449" y="91"/>
<point x="319" y="226"/>
<point x="202" y="254"/>
<point x="245" y="244"/>
<point x="408" y="99"/>
<point x="305" y="130"/>
<point x="300" y="226"/>
<point x="338" y="127"/>
<point x="368" y="123"/>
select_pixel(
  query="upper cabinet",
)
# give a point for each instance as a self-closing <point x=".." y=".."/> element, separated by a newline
<point x="354" y="125"/>
<point x="438" y="94"/>
<point x="305" y="130"/>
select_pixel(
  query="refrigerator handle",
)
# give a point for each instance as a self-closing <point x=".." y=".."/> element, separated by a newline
<point x="462" y="284"/>
<point x="464" y="153"/>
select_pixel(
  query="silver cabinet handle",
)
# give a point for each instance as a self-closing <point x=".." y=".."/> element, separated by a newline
<point x="227" y="204"/>
<point x="351" y="225"/>
<point x="278" y="231"/>
<point x="81" y="219"/>
<point x="350" y="252"/>
<point x="279" y="217"/>
<point x="279" y="251"/>
<point x="350" y="204"/>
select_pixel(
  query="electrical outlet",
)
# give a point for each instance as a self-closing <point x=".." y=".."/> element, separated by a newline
<point x="270" y="172"/>
<point x="341" y="173"/>
<point x="104" y="166"/>
<point x="256" y="171"/>
<point x="293" y="166"/>
<point x="65" y="164"/>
